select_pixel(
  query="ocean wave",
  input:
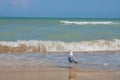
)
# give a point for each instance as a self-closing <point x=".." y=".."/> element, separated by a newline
<point x="58" y="46"/>
<point x="89" y="22"/>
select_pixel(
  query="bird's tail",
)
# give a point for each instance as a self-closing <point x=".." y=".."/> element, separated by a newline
<point x="76" y="62"/>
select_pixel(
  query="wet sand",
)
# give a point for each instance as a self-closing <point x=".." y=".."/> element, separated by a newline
<point x="55" y="73"/>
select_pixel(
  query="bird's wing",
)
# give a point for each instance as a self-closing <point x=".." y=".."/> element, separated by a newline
<point x="72" y="59"/>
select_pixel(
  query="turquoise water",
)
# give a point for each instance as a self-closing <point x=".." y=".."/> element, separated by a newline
<point x="59" y="34"/>
<point x="13" y="29"/>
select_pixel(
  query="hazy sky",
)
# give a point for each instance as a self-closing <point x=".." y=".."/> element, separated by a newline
<point x="60" y="8"/>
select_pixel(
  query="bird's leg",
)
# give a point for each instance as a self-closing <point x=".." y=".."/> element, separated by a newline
<point x="70" y="65"/>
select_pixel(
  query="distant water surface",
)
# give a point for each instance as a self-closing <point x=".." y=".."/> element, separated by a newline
<point x="63" y="29"/>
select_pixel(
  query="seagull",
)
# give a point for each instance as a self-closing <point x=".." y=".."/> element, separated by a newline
<point x="71" y="58"/>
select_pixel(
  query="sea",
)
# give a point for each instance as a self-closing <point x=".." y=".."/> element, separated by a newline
<point x="94" y="41"/>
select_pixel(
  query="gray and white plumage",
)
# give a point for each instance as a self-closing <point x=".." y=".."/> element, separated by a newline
<point x="71" y="58"/>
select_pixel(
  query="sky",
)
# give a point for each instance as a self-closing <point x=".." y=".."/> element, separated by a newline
<point x="60" y="8"/>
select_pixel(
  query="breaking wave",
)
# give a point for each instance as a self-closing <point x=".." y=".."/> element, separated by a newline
<point x="57" y="46"/>
<point x="89" y="22"/>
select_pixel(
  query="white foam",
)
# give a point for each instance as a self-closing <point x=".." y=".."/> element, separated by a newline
<point x="60" y="46"/>
<point x="87" y="22"/>
<point x="106" y="64"/>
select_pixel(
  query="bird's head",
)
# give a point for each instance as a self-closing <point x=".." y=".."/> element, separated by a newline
<point x="71" y="53"/>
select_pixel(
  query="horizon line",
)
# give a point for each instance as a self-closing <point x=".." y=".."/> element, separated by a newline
<point x="62" y="17"/>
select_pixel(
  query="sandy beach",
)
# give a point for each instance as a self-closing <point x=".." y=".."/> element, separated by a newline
<point x="55" y="73"/>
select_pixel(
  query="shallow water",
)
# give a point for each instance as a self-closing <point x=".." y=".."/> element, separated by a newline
<point x="91" y="60"/>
